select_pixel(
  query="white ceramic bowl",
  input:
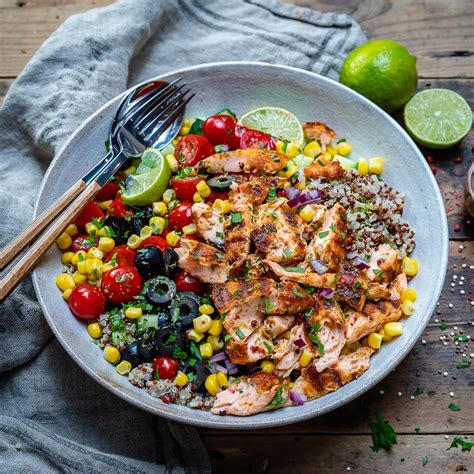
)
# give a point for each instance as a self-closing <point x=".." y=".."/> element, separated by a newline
<point x="242" y="86"/>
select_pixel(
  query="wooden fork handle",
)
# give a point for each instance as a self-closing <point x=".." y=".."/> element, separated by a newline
<point x="39" y="224"/>
<point x="36" y="251"/>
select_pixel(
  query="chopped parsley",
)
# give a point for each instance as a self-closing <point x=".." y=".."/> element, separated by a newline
<point x="287" y="251"/>
<point x="194" y="350"/>
<point x="333" y="228"/>
<point x="460" y="443"/>
<point x="220" y="235"/>
<point x="196" y="127"/>
<point x="295" y="269"/>
<point x="268" y="346"/>
<point x="240" y="334"/>
<point x="237" y="293"/>
<point x="379" y="273"/>
<point x="268" y="305"/>
<point x="357" y="285"/>
<point x="227" y="337"/>
<point x="315" y="328"/>
<point x="235" y="217"/>
<point x="453" y="407"/>
<point x="179" y="353"/>
<point x="417" y="391"/>
<point x="219" y="256"/>
<point x="383" y="434"/>
<point x="443" y="326"/>
<point x="272" y="194"/>
<point x="323" y="234"/>
<point x="278" y="400"/>
<point x="425" y="460"/>
<point x="297" y="293"/>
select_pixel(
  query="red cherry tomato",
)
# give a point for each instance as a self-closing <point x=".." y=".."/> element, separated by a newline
<point x="217" y="195"/>
<point x="108" y="191"/>
<point x="191" y="149"/>
<point x="186" y="187"/>
<point x="87" y="301"/>
<point x="118" y="208"/>
<point x="91" y="211"/>
<point x="186" y="282"/>
<point x="83" y="242"/>
<point x="123" y="256"/>
<point x="154" y="241"/>
<point x="166" y="367"/>
<point x="220" y="130"/>
<point x="121" y="284"/>
<point x="256" y="139"/>
<point x="180" y="216"/>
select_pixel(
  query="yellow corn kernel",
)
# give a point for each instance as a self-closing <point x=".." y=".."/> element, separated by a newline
<point x="409" y="295"/>
<point x="89" y="227"/>
<point x="146" y="231"/>
<point x="385" y="338"/>
<point x="124" y="367"/>
<point x="408" y="308"/>
<point x="325" y="158"/>
<point x="306" y="358"/>
<point x="206" y="350"/>
<point x="71" y="230"/>
<point x="67" y="294"/>
<point x="195" y="336"/>
<point x="307" y="213"/>
<point x="362" y="166"/>
<point x="197" y="197"/>
<point x="106" y="267"/>
<point x="172" y="239"/>
<point x="168" y="196"/>
<point x="175" y="142"/>
<point x="279" y="146"/>
<point x="215" y="342"/>
<point x="172" y="161"/>
<point x="79" y="278"/>
<point x="292" y="169"/>
<point x="133" y="312"/>
<point x="409" y="266"/>
<point x="376" y="165"/>
<point x="94" y="330"/>
<point x="206" y="309"/>
<point x="66" y="257"/>
<point x="187" y="123"/>
<point x="104" y="231"/>
<point x="222" y="379"/>
<point x="129" y="170"/>
<point x="202" y="323"/>
<point x="343" y="149"/>
<point x="203" y="189"/>
<point x="157" y="224"/>
<point x="184" y="130"/>
<point x="181" y="379"/>
<point x="216" y="327"/>
<point x="301" y="184"/>
<point x="375" y="340"/>
<point x="94" y="252"/>
<point x="267" y="366"/>
<point x="64" y="281"/>
<point x="312" y="149"/>
<point x="93" y="266"/>
<point x="332" y="150"/>
<point x="111" y="354"/>
<point x="393" y="329"/>
<point x="292" y="150"/>
<point x="190" y="229"/>
<point x="64" y="241"/>
<point x="221" y="206"/>
<point x="106" y="244"/>
<point x="105" y="204"/>
<point x="212" y="385"/>
<point x="134" y="241"/>
<point x="81" y="266"/>
<point x="160" y="208"/>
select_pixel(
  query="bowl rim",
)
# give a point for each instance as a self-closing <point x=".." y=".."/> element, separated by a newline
<point x="288" y="415"/>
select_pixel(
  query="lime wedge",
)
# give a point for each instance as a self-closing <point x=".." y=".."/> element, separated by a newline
<point x="278" y="123"/>
<point x="150" y="180"/>
<point x="437" y="118"/>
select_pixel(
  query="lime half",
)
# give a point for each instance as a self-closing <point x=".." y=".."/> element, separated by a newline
<point x="278" y="123"/>
<point x="150" y="180"/>
<point x="438" y="118"/>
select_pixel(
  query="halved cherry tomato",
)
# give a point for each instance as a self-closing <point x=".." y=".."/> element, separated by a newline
<point x="191" y="149"/>
<point x="154" y="241"/>
<point x="83" y="242"/>
<point x="108" y="191"/>
<point x="166" y="367"/>
<point x="123" y="255"/>
<point x="220" y="130"/>
<point x="90" y="211"/>
<point x="121" y="284"/>
<point x="87" y="301"/>
<point x="118" y="208"/>
<point x="186" y="282"/>
<point x="180" y="216"/>
<point x="186" y="187"/>
<point x="217" y="195"/>
<point x="256" y="139"/>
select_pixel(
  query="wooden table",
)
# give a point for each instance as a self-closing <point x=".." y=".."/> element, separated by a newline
<point x="441" y="35"/>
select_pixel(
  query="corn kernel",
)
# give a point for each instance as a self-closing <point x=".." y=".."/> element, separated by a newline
<point x="133" y="312"/>
<point x="106" y="244"/>
<point x="64" y="241"/>
<point x="124" y="367"/>
<point x="206" y="309"/>
<point x="93" y="266"/>
<point x="168" y="196"/>
<point x="79" y="278"/>
<point x="90" y="227"/>
<point x="111" y="354"/>
<point x="71" y="230"/>
<point x="206" y="350"/>
<point x="344" y="149"/>
<point x="134" y="241"/>
<point x="375" y="340"/>
<point x="215" y="342"/>
<point x="157" y="224"/>
<point x="130" y="170"/>
<point x="202" y="323"/>
<point x="106" y="267"/>
<point x="94" y="330"/>
<point x="306" y="358"/>
<point x="146" y="231"/>
<point x="64" y="281"/>
<point x="393" y="329"/>
<point x="212" y="385"/>
<point x="172" y="239"/>
<point x="195" y="336"/>
<point x="376" y="165"/>
<point x="216" y="327"/>
<point x="292" y="169"/>
<point x="190" y="229"/>
<point x="172" y="161"/>
<point x="66" y="257"/>
<point x="160" y="208"/>
<point x="184" y="130"/>
<point x="181" y="379"/>
<point x="105" y="204"/>
<point x="362" y="166"/>
<point x="292" y="150"/>
<point x="409" y="294"/>
<point x="267" y="366"/>
<point x="301" y="184"/>
<point x="307" y="213"/>
<point x="312" y="149"/>
<point x="325" y="158"/>
<point x="332" y="150"/>
<point x="67" y="294"/>
<point x="279" y="146"/>
<point x="385" y="337"/>
<point x="221" y="206"/>
<point x="187" y="123"/>
<point x="409" y="266"/>
<point x="222" y="379"/>
<point x="408" y="308"/>
<point x="81" y="266"/>
<point x="79" y="256"/>
<point x="94" y="252"/>
<point x="175" y="142"/>
<point x="203" y="189"/>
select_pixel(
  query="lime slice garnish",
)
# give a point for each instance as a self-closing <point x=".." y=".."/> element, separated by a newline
<point x="149" y="181"/>
<point x="278" y="123"/>
<point x="437" y="118"/>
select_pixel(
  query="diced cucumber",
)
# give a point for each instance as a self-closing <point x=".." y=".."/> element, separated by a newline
<point x="147" y="321"/>
<point x="227" y="112"/>
<point x="168" y="150"/>
<point x="302" y="161"/>
<point x="346" y="163"/>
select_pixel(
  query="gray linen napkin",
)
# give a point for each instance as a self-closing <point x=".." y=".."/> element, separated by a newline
<point x="52" y="416"/>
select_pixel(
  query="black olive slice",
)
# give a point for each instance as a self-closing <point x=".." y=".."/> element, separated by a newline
<point x="160" y="290"/>
<point x="170" y="262"/>
<point x="168" y="338"/>
<point x="221" y="182"/>
<point x="184" y="307"/>
<point x="132" y="354"/>
<point x="149" y="261"/>
<point x="147" y="349"/>
<point x="119" y="227"/>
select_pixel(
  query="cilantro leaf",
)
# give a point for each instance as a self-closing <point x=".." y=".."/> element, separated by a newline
<point x="425" y="460"/>
<point x="278" y="400"/>
<point x="383" y="434"/>
<point x="460" y="443"/>
<point x="453" y="407"/>
<point x="196" y="127"/>
<point x="235" y="217"/>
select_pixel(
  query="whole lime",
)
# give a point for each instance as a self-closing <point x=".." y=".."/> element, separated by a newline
<point x="383" y="71"/>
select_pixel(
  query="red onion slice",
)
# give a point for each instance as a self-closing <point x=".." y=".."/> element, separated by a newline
<point x="218" y="357"/>
<point x="292" y="192"/>
<point x="306" y="198"/>
<point x="214" y="368"/>
<point x="319" y="267"/>
<point x="299" y="343"/>
<point x="297" y="398"/>
<point x="327" y="293"/>
<point x="359" y="263"/>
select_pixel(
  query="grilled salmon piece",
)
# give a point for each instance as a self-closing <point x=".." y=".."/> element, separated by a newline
<point x="248" y="395"/>
<point x="250" y="160"/>
<point x="376" y="292"/>
<point x="202" y="261"/>
<point x="385" y="264"/>
<point x="319" y="131"/>
<point x="209" y="223"/>
<point x="288" y="351"/>
<point x="255" y="347"/>
<point x="313" y="383"/>
<point x="275" y="325"/>
<point x="328" y="172"/>
<point x="351" y="286"/>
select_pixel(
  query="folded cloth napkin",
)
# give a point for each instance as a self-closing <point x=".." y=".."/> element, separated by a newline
<point x="53" y="417"/>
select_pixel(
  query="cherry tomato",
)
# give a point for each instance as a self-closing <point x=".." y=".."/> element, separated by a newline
<point x="108" y="191"/>
<point x="87" y="301"/>
<point x="191" y="149"/>
<point x="118" y="208"/>
<point x="91" y="211"/>
<point x="186" y="187"/>
<point x="121" y="284"/>
<point x="83" y="242"/>
<point x="123" y="256"/>
<point x="220" y="129"/>
<point x="217" y="195"/>
<point x="166" y="367"/>
<point x="180" y="216"/>
<point x="154" y="241"/>
<point x="256" y="139"/>
<point x="186" y="282"/>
